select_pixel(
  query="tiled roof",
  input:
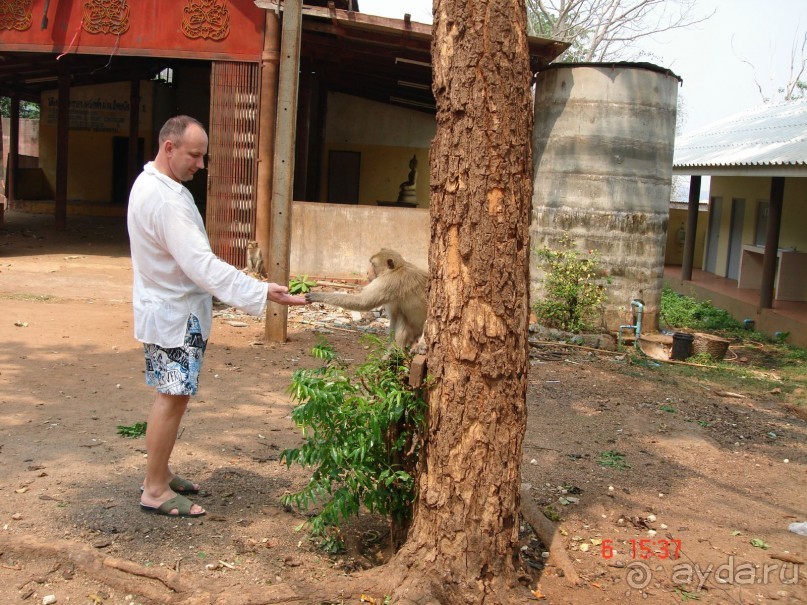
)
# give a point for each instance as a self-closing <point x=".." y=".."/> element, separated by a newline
<point x="769" y="135"/>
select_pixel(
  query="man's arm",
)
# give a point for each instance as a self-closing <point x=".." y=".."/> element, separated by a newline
<point x="187" y="243"/>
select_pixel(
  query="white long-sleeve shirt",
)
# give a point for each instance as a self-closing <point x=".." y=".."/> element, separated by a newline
<point x="175" y="271"/>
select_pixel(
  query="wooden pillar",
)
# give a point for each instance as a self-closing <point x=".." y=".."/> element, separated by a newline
<point x="277" y="265"/>
<point x="62" y="135"/>
<point x="270" y="60"/>
<point x="13" y="148"/>
<point x="692" y="227"/>
<point x="134" y="132"/>
<point x="771" y="242"/>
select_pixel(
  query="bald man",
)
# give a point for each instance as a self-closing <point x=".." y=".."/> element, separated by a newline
<point x="176" y="276"/>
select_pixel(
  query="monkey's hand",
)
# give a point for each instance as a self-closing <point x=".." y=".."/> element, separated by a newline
<point x="312" y="297"/>
<point x="280" y="294"/>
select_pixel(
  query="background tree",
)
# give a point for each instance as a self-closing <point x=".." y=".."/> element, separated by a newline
<point x="608" y="30"/>
<point x="27" y="109"/>
<point x="796" y="85"/>
<point x="461" y="546"/>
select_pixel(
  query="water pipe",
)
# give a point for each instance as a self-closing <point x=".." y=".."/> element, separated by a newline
<point x="639" y="310"/>
<point x="637" y="328"/>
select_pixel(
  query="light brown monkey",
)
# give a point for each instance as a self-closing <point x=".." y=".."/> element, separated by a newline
<point x="254" y="258"/>
<point x="398" y="286"/>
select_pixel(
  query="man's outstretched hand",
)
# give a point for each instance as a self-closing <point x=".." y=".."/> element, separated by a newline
<point x="280" y="294"/>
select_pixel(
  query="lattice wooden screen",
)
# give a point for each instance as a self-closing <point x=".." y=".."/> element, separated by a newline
<point x="232" y="155"/>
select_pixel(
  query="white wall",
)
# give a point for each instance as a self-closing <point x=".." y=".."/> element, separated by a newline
<point x="333" y="240"/>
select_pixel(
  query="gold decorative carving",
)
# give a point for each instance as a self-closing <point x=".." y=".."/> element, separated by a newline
<point x="105" y="17"/>
<point x="16" y="14"/>
<point x="208" y="19"/>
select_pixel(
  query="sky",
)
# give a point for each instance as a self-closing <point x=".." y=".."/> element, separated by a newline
<point x="712" y="58"/>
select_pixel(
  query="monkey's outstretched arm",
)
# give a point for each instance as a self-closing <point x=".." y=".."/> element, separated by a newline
<point x="370" y="297"/>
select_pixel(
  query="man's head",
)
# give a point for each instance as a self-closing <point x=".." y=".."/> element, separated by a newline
<point x="183" y="146"/>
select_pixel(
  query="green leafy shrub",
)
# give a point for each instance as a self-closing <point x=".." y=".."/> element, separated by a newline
<point x="573" y="288"/>
<point x="704" y="358"/>
<point x="138" y="429"/>
<point x="363" y="432"/>
<point x="795" y="354"/>
<point x="612" y="459"/>
<point x="679" y="311"/>
<point x="301" y="284"/>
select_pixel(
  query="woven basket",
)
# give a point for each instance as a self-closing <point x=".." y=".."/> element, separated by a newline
<point x="715" y="346"/>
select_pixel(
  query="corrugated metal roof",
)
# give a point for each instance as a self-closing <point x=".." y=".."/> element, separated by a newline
<point x="769" y="135"/>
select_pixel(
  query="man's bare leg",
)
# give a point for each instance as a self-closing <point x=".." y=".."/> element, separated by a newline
<point x="162" y="426"/>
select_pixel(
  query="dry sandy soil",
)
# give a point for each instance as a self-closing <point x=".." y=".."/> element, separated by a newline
<point x="709" y="467"/>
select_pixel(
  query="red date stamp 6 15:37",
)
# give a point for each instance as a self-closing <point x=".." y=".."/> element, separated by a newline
<point x="645" y="548"/>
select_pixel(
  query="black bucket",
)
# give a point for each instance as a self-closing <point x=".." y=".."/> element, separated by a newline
<point x="681" y="346"/>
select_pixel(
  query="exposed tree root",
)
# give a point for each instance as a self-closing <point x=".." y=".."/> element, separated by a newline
<point x="418" y="584"/>
<point x="167" y="587"/>
<point x="547" y="532"/>
<point x="107" y="570"/>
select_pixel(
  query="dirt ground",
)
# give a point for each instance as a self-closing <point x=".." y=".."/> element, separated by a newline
<point x="712" y="474"/>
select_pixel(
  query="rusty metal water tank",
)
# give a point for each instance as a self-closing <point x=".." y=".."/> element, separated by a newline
<point x="602" y="152"/>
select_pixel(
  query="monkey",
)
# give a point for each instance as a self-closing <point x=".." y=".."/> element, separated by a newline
<point x="395" y="284"/>
<point x="254" y="258"/>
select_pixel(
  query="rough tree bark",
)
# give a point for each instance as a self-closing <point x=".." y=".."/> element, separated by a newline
<point x="462" y="543"/>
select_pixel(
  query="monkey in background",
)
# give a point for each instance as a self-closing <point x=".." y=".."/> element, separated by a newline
<point x="395" y="284"/>
<point x="254" y="258"/>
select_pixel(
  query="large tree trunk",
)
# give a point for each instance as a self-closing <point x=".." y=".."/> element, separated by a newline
<point x="461" y="547"/>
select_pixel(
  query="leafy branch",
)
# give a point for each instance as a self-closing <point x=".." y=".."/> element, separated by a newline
<point x="362" y="436"/>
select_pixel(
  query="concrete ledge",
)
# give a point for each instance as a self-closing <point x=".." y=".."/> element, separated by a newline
<point x="338" y="240"/>
<point x="767" y="321"/>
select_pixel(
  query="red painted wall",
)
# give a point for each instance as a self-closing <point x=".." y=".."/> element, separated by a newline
<point x="155" y="29"/>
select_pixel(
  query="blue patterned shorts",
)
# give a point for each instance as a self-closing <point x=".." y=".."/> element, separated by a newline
<point x="176" y="371"/>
